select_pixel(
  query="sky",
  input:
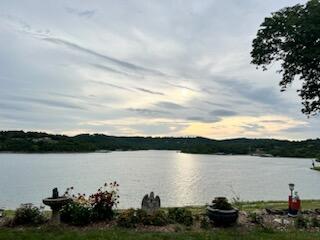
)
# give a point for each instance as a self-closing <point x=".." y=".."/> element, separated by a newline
<point x="147" y="68"/>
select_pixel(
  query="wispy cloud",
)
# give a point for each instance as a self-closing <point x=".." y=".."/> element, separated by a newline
<point x="112" y="85"/>
<point x="222" y="113"/>
<point x="81" y="13"/>
<point x="124" y="64"/>
<point x="145" y="111"/>
<point x="149" y="91"/>
<point x="170" y="105"/>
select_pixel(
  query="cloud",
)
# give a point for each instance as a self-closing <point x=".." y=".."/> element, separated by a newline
<point x="109" y="69"/>
<point x="253" y="92"/>
<point x="149" y="91"/>
<point x="49" y="102"/>
<point x="81" y="13"/>
<point x="203" y="119"/>
<point x="101" y="66"/>
<point x="112" y="85"/>
<point x="253" y="127"/>
<point x="124" y="64"/>
<point x="170" y="105"/>
<point x="145" y="111"/>
<point x="223" y="113"/>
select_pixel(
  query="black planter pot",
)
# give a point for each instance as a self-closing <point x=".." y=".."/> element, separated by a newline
<point x="223" y="217"/>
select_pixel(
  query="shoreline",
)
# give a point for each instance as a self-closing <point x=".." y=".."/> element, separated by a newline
<point x="245" y="205"/>
<point x="132" y="150"/>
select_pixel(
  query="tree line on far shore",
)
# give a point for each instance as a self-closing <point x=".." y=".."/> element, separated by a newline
<point x="38" y="142"/>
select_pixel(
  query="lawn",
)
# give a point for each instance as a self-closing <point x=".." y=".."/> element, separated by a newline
<point x="116" y="233"/>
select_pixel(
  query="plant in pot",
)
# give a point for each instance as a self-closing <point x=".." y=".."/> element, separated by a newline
<point x="222" y="213"/>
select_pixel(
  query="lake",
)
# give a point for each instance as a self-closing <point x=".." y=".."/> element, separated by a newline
<point x="179" y="179"/>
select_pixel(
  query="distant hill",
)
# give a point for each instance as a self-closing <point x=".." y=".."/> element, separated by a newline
<point x="34" y="142"/>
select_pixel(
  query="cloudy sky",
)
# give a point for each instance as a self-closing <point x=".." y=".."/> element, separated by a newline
<point x="169" y="67"/>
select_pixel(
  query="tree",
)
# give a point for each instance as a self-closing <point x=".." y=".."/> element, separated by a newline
<point x="291" y="36"/>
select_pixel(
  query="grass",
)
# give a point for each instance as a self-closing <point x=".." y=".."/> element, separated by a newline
<point x="117" y="234"/>
<point x="63" y="232"/>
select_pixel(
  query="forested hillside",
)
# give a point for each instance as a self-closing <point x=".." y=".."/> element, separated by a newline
<point x="19" y="141"/>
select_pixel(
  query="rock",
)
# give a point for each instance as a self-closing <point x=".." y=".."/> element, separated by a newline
<point x="276" y="211"/>
<point x="277" y="220"/>
<point x="281" y="221"/>
<point x="150" y="203"/>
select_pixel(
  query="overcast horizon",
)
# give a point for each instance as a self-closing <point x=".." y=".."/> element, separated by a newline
<point x="143" y="68"/>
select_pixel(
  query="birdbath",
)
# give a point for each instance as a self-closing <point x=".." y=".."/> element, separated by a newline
<point x="56" y="203"/>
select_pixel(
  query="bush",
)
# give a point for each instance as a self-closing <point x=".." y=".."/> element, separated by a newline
<point x="205" y="222"/>
<point x="221" y="203"/>
<point x="159" y="218"/>
<point x="76" y="214"/>
<point x="28" y="215"/>
<point x="315" y="222"/>
<point x="181" y="215"/>
<point x="130" y="218"/>
<point x="127" y="219"/>
<point x="255" y="218"/>
<point x="301" y="222"/>
<point x="97" y="207"/>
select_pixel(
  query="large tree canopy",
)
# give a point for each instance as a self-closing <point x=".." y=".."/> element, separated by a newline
<point x="292" y="37"/>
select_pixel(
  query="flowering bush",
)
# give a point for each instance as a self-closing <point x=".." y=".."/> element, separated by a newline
<point x="96" y="207"/>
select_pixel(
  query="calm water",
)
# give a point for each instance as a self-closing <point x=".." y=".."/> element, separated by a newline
<point x="180" y="179"/>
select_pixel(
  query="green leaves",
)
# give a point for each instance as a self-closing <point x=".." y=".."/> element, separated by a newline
<point x="292" y="37"/>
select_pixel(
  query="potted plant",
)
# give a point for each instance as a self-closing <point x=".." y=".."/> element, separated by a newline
<point x="222" y="213"/>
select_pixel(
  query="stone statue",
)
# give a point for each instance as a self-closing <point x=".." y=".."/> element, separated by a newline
<point x="55" y="193"/>
<point x="150" y="203"/>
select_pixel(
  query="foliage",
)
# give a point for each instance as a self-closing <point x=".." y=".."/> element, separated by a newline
<point x="159" y="218"/>
<point x="97" y="207"/>
<point x="315" y="222"/>
<point x="130" y="218"/>
<point x="292" y="36"/>
<point x="20" y="141"/>
<point x="104" y="200"/>
<point x="28" y="214"/>
<point x="127" y="219"/>
<point x="76" y="214"/>
<point x="222" y="204"/>
<point x="255" y="218"/>
<point x="181" y="215"/>
<point x="301" y="222"/>
<point x="205" y="222"/>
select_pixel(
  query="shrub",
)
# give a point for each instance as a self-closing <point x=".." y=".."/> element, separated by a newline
<point x="76" y="214"/>
<point x="255" y="218"/>
<point x="159" y="218"/>
<point x="301" y="222"/>
<point x="28" y="215"/>
<point x="181" y="215"/>
<point x="315" y="222"/>
<point x="205" y="222"/>
<point x="127" y="219"/>
<point x="143" y="217"/>
<point x="97" y="207"/>
<point x="130" y="218"/>
<point x="104" y="200"/>
<point x="222" y="204"/>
